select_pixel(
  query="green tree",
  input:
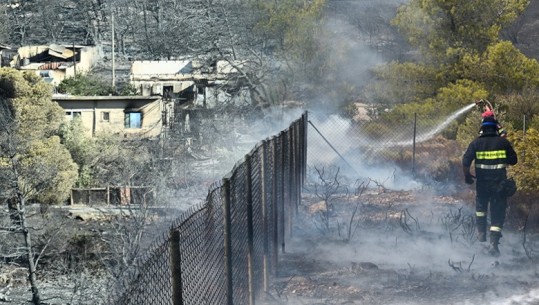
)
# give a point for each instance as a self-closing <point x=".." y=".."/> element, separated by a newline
<point x="84" y="85"/>
<point x="34" y="165"/>
<point x="527" y="169"/>
<point x="82" y="149"/>
<point x="459" y="40"/>
<point x="47" y="172"/>
<point x="444" y="30"/>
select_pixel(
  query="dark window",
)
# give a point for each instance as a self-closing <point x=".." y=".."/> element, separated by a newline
<point x="168" y="91"/>
<point x="200" y="90"/>
<point x="73" y="114"/>
<point x="105" y="116"/>
<point x="133" y="120"/>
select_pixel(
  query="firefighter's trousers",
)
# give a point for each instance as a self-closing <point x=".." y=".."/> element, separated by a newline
<point x="487" y="198"/>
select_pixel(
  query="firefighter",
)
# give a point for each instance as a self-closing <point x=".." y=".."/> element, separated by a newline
<point x="491" y="153"/>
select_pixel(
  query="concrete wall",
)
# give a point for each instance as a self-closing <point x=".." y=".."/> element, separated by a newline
<point x="92" y="111"/>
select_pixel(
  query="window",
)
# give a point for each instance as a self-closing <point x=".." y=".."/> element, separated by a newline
<point x="105" y="116"/>
<point x="133" y="120"/>
<point x="72" y="114"/>
<point x="168" y="91"/>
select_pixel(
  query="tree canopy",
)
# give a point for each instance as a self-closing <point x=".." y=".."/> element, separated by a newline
<point x="460" y="55"/>
<point x="30" y="147"/>
<point x="444" y="30"/>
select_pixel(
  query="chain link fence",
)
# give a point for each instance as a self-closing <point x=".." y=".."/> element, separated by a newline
<point x="391" y="154"/>
<point x="225" y="250"/>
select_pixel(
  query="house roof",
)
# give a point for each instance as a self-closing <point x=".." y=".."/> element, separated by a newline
<point x="60" y="51"/>
<point x="47" y="66"/>
<point x="170" y="67"/>
<point x="55" y="65"/>
<point x="74" y="98"/>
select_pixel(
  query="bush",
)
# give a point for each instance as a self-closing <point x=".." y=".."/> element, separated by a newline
<point x="526" y="171"/>
<point x="84" y="85"/>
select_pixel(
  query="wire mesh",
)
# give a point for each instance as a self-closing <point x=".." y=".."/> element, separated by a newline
<point x="225" y="248"/>
<point x="381" y="151"/>
<point x="239" y="234"/>
<point x="150" y="283"/>
<point x="258" y="216"/>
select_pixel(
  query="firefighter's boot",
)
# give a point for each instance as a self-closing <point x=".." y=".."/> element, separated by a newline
<point x="494" y="242"/>
<point x="481" y="222"/>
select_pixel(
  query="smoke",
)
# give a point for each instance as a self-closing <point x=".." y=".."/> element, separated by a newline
<point x="528" y="298"/>
<point x="434" y="252"/>
<point x="334" y="141"/>
<point x="433" y="263"/>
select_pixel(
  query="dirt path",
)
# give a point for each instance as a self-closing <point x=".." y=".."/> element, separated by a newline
<point x="420" y="250"/>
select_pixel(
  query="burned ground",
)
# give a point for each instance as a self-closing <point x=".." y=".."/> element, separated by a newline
<point x="403" y="247"/>
<point x="409" y="247"/>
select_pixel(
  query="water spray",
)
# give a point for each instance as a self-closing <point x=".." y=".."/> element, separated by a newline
<point x="417" y="139"/>
<point x="429" y="135"/>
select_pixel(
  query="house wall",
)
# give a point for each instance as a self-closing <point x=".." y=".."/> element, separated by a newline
<point x="88" y="58"/>
<point x="91" y="114"/>
<point x="151" y="88"/>
<point x="57" y="75"/>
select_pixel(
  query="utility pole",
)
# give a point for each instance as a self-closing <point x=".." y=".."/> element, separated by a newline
<point x="74" y="60"/>
<point x="113" y="56"/>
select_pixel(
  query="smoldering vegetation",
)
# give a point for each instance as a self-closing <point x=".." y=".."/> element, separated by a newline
<point x="367" y="244"/>
<point x="376" y="232"/>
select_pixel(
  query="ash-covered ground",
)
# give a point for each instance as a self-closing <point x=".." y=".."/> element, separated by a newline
<point x="405" y="247"/>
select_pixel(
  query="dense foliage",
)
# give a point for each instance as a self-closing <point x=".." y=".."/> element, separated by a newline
<point x="460" y="58"/>
<point x="84" y="85"/>
<point x="459" y="50"/>
<point x="40" y="167"/>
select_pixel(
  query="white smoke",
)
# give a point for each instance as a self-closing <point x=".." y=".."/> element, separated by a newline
<point x="330" y="144"/>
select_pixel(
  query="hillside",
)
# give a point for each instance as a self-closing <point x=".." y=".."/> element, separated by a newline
<point x="526" y="31"/>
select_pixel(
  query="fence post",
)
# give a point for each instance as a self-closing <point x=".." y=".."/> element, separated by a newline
<point x="282" y="219"/>
<point x="228" y="241"/>
<point x="263" y="186"/>
<point x="305" y="128"/>
<point x="176" y="268"/>
<point x="413" y="146"/>
<point x="290" y="181"/>
<point x="275" y="220"/>
<point x="250" y="253"/>
<point x="297" y="166"/>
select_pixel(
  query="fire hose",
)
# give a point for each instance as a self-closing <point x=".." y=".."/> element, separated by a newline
<point x="487" y="106"/>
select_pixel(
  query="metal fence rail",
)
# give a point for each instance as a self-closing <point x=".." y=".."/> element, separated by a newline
<point x="225" y="250"/>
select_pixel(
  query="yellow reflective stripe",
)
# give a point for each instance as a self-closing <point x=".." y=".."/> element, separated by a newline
<point x="490" y="155"/>
<point x="480" y="214"/>
<point x="490" y="166"/>
<point x="495" y="229"/>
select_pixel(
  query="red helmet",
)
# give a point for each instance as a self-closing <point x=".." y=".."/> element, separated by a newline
<point x="487" y="113"/>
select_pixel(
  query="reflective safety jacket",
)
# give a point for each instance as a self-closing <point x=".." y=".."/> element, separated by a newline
<point x="491" y="153"/>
